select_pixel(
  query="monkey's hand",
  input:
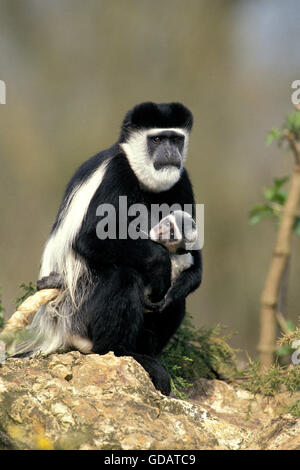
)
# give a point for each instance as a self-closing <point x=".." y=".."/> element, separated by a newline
<point x="153" y="306"/>
<point x="53" y="281"/>
<point x="157" y="306"/>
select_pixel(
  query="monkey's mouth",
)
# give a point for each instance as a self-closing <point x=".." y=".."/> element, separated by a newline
<point x="167" y="162"/>
<point x="164" y="238"/>
<point x="166" y="166"/>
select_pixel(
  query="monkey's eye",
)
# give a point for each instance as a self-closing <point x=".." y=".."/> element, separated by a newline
<point x="172" y="234"/>
<point x="156" y="139"/>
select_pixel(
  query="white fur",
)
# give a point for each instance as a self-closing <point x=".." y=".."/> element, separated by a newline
<point x="180" y="263"/>
<point x="140" y="162"/>
<point x="47" y="336"/>
<point x="51" y="328"/>
<point x="83" y="345"/>
<point x="58" y="254"/>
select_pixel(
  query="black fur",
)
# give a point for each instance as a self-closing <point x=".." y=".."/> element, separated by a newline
<point x="114" y="307"/>
<point x="163" y="115"/>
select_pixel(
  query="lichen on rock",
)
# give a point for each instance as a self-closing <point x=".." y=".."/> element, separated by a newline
<point x="75" y="401"/>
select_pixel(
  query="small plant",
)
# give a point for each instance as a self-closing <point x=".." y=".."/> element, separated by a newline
<point x="28" y="289"/>
<point x="267" y="384"/>
<point x="197" y="353"/>
<point x="284" y="350"/>
<point x="274" y="380"/>
<point x="293" y="409"/>
<point x="275" y="198"/>
<point x="277" y="378"/>
<point x="283" y="207"/>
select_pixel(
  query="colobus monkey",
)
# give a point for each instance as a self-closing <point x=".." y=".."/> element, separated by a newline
<point x="178" y="233"/>
<point x="102" y="305"/>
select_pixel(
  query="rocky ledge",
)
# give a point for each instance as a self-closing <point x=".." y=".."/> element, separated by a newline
<point x="73" y="401"/>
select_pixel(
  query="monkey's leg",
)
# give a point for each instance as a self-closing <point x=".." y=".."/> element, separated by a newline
<point x="117" y="308"/>
<point x="158" y="374"/>
<point x="158" y="328"/>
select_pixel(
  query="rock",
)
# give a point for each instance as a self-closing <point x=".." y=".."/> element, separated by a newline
<point x="73" y="401"/>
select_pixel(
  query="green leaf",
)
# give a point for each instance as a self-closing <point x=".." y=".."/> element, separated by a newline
<point x="274" y="134"/>
<point x="293" y="123"/>
<point x="278" y="182"/>
<point x="275" y="193"/>
<point x="260" y="212"/>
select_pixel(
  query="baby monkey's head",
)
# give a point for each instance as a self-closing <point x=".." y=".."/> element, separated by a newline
<point x="177" y="231"/>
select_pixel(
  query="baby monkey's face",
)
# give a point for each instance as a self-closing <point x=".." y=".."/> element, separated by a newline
<point x="175" y="231"/>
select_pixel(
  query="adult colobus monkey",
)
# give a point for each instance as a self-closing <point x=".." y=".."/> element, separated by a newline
<point x="102" y="305"/>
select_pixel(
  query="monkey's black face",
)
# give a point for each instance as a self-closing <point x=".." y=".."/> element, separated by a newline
<point x="157" y="156"/>
<point x="166" y="149"/>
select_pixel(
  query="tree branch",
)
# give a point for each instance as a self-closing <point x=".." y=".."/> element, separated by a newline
<point x="269" y="298"/>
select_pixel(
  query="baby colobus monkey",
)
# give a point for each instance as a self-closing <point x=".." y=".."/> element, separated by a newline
<point x="178" y="233"/>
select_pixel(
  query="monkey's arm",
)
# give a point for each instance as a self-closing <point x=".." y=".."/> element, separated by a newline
<point x="186" y="283"/>
<point x="150" y="259"/>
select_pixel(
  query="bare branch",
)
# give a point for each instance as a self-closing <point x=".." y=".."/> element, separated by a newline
<point x="293" y="145"/>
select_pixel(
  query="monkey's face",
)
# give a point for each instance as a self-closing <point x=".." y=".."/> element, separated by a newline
<point x="167" y="233"/>
<point x="176" y="230"/>
<point x="157" y="156"/>
<point x="166" y="149"/>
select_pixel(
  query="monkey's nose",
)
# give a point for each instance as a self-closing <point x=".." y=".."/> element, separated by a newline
<point x="167" y="159"/>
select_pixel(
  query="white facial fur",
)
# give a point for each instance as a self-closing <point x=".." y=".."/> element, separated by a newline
<point x="180" y="263"/>
<point x="162" y="232"/>
<point x="138" y="157"/>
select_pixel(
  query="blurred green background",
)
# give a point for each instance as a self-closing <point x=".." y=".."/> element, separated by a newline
<point x="73" y="68"/>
